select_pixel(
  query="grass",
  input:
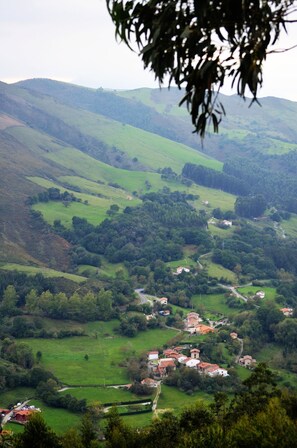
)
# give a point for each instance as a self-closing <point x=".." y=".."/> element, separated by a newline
<point x="214" y="303"/>
<point x="217" y="271"/>
<point x="46" y="272"/>
<point x="60" y="420"/>
<point x="250" y="291"/>
<point x="106" y="355"/>
<point x="290" y="226"/>
<point x="174" y="400"/>
<point x="151" y="149"/>
<point x="102" y="394"/>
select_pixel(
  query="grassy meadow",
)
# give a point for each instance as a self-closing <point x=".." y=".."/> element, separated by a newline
<point x="107" y="353"/>
<point x="212" y="303"/>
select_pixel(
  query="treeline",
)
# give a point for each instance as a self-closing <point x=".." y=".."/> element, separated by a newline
<point x="215" y="179"/>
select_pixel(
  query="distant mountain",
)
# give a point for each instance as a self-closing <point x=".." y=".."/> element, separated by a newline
<point x="269" y="127"/>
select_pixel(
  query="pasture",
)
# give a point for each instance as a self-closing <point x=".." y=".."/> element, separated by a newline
<point x="213" y="303"/>
<point x="217" y="271"/>
<point x="107" y="354"/>
<point x="172" y="399"/>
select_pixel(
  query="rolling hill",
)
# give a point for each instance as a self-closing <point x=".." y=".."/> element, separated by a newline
<point x="108" y="148"/>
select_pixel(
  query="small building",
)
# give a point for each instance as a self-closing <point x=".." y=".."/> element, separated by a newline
<point x="288" y="312"/>
<point x="192" y="320"/>
<point x="181" y="269"/>
<point x="259" y="295"/>
<point x="149" y="382"/>
<point x="151" y="356"/>
<point x="195" y="352"/>
<point x="233" y="335"/>
<point x="226" y="223"/>
<point x="247" y="361"/>
<point x="163" y="300"/>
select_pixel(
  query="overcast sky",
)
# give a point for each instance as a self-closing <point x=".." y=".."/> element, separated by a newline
<point x="73" y="41"/>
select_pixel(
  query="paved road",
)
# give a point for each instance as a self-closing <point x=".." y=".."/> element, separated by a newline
<point x="234" y="291"/>
<point x="240" y="351"/>
<point x="142" y="297"/>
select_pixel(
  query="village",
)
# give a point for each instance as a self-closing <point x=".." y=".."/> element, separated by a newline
<point x="161" y="363"/>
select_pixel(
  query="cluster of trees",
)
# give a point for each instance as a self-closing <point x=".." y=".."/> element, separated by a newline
<point x="250" y="206"/>
<point x="131" y="325"/>
<point x="208" y="177"/>
<point x="256" y="252"/>
<point x="190" y="380"/>
<point x="142" y="234"/>
<point x="53" y="194"/>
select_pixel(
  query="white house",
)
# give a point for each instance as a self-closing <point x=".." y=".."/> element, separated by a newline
<point x="151" y="356"/>
<point x="192" y="362"/>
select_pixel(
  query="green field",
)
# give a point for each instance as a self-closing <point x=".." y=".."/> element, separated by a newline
<point x="46" y="272"/>
<point x="290" y="226"/>
<point x="101" y="394"/>
<point x="217" y="271"/>
<point x="250" y="291"/>
<point x="173" y="399"/>
<point x="106" y="354"/>
<point x="213" y="303"/>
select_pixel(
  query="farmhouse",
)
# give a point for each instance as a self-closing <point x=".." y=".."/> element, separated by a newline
<point x="23" y="415"/>
<point x="287" y="311"/>
<point x="247" y="361"/>
<point x="203" y="329"/>
<point x="259" y="295"/>
<point x="181" y="269"/>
